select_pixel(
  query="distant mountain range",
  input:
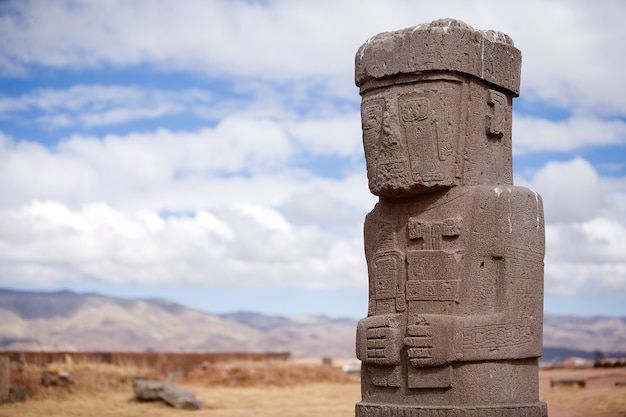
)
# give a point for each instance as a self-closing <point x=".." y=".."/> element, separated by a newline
<point x="90" y="322"/>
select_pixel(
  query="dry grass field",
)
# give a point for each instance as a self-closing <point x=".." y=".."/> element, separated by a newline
<point x="600" y="397"/>
<point x="272" y="388"/>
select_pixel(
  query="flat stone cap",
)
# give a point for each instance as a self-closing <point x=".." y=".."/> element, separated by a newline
<point x="442" y="45"/>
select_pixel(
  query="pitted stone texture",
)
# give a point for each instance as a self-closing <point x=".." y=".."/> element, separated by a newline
<point x="455" y="279"/>
<point x="530" y="410"/>
<point x="454" y="250"/>
<point x="439" y="131"/>
<point x="146" y="390"/>
<point x="442" y="45"/>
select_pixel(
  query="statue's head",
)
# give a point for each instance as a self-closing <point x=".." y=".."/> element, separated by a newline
<point x="436" y="108"/>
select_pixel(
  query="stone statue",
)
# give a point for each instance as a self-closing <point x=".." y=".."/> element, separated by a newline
<point x="454" y="250"/>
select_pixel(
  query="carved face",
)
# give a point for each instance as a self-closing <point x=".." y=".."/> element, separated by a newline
<point x="410" y="137"/>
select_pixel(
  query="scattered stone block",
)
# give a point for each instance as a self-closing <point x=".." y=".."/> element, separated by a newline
<point x="56" y="378"/>
<point x="620" y="383"/>
<point x="146" y="390"/>
<point x="568" y="382"/>
<point x="65" y="378"/>
<point x="17" y="394"/>
<point x="48" y="379"/>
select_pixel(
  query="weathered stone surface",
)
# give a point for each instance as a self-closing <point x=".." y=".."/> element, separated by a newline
<point x="443" y="45"/>
<point x="176" y="397"/>
<point x="454" y="250"/>
<point x="17" y="394"/>
<point x="53" y="378"/>
<point x="5" y="378"/>
<point x="48" y="379"/>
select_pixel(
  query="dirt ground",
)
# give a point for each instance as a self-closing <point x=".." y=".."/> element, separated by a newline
<point x="600" y="397"/>
<point x="277" y="389"/>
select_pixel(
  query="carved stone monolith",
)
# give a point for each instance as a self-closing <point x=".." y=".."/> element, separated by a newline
<point x="454" y="250"/>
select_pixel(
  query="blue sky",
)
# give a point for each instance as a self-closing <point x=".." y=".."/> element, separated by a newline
<point x="210" y="152"/>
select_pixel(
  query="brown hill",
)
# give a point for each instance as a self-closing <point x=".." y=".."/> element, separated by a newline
<point x="583" y="336"/>
<point x="91" y="322"/>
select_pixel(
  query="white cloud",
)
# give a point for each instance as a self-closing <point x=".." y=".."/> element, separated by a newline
<point x="265" y="217"/>
<point x="257" y="158"/>
<point x="585" y="229"/>
<point x="614" y="193"/>
<point x="214" y="207"/>
<point x="569" y="50"/>
<point x="316" y="206"/>
<point x="335" y="135"/>
<point x="534" y="134"/>
<point x="570" y="58"/>
<point x="91" y="168"/>
<point x="97" y="105"/>
<point x="571" y="191"/>
<point x="234" y="204"/>
<point x="217" y="37"/>
<point x="236" y="246"/>
<point x="586" y="257"/>
<point x="29" y="170"/>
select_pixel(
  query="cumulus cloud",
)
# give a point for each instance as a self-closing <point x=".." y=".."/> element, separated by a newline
<point x="244" y="246"/>
<point x="535" y="134"/>
<point x="97" y="105"/>
<point x="569" y="52"/>
<point x="586" y="258"/>
<point x="316" y="206"/>
<point x="219" y="37"/>
<point x="571" y="191"/>
<point x="585" y="229"/>
<point x="570" y="59"/>
<point x="240" y="154"/>
<point x="93" y="167"/>
<point x="219" y="206"/>
<point x="239" y="198"/>
<point x="335" y="135"/>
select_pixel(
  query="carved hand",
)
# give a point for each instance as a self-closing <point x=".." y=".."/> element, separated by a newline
<point x="379" y="340"/>
<point x="428" y="341"/>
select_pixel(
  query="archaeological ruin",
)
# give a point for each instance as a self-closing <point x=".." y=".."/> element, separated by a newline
<point x="454" y="250"/>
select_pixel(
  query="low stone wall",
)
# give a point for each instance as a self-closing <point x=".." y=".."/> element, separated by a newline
<point x="159" y="361"/>
<point x="5" y="378"/>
